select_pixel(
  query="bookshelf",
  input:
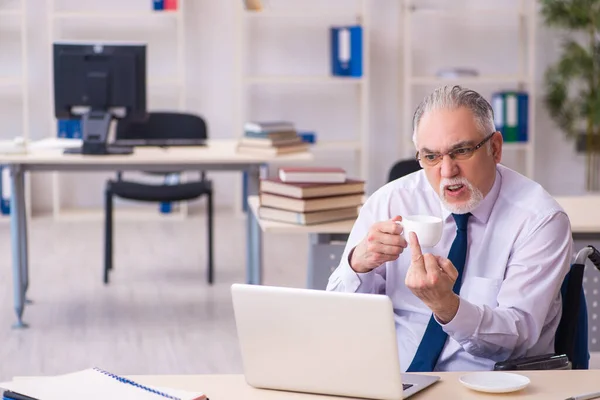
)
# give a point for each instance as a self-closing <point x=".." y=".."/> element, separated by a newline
<point x="303" y="14"/>
<point x="521" y="13"/>
<point x="134" y="22"/>
<point x="13" y="84"/>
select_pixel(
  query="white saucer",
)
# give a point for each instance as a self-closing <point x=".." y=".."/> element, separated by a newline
<point x="494" y="381"/>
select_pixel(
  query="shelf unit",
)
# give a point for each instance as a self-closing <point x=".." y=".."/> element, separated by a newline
<point x="55" y="18"/>
<point x="20" y="81"/>
<point x="524" y="79"/>
<point x="360" y="144"/>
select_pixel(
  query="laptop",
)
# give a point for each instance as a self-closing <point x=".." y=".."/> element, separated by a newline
<point x="321" y="342"/>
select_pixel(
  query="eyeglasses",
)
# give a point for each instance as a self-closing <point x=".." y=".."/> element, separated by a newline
<point x="461" y="153"/>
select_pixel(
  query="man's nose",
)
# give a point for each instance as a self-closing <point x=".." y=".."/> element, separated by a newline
<point x="448" y="167"/>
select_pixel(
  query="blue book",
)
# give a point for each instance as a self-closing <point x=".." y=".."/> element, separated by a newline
<point x="158" y="5"/>
<point x="346" y="50"/>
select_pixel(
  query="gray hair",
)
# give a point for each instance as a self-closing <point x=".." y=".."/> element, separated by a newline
<point x="452" y="97"/>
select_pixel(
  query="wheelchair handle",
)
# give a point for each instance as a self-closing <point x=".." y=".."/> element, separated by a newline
<point x="588" y="252"/>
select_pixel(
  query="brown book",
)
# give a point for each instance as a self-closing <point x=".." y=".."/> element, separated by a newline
<point x="310" y="205"/>
<point x="310" y="190"/>
<point x="273" y="151"/>
<point x="299" y="218"/>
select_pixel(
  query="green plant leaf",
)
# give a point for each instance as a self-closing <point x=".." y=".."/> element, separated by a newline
<point x="562" y="109"/>
<point x="570" y="14"/>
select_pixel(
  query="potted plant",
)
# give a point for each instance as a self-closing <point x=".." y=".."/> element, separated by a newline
<point x="573" y="83"/>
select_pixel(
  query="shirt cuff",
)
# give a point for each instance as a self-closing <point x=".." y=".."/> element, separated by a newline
<point x="465" y="323"/>
<point x="355" y="281"/>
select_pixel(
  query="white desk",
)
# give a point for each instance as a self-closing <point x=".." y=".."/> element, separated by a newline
<point x="327" y="241"/>
<point x="216" y="155"/>
<point x="584" y="214"/>
<point x="544" y="385"/>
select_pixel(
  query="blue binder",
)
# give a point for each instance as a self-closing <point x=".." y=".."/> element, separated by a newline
<point x="498" y="109"/>
<point x="346" y="50"/>
<point x="63" y="128"/>
<point x="75" y="129"/>
<point x="523" y="125"/>
<point x="158" y="5"/>
<point x="4" y="190"/>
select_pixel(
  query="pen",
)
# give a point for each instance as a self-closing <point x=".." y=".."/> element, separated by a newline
<point x="587" y="396"/>
<point x="8" y="395"/>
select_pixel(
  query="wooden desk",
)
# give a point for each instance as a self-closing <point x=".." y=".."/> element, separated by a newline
<point x="544" y="385"/>
<point x="216" y="155"/>
<point x="327" y="241"/>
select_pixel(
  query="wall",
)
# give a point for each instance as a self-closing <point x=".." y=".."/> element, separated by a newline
<point x="212" y="91"/>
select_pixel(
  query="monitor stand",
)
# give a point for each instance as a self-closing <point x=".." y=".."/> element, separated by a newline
<point x="95" y="128"/>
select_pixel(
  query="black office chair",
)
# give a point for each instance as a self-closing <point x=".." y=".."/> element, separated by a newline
<point x="402" y="168"/>
<point x="571" y="340"/>
<point x="159" y="125"/>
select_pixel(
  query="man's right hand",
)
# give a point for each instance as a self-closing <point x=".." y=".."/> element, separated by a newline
<point x="384" y="242"/>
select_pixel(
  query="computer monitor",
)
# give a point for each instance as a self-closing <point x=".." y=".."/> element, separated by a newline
<point x="98" y="82"/>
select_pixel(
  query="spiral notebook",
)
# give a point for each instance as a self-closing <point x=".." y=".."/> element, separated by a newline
<point x="94" y="384"/>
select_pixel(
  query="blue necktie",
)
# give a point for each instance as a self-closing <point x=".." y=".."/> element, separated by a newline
<point x="434" y="338"/>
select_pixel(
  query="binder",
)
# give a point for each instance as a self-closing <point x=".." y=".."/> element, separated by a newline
<point x="158" y="5"/>
<point x="511" y="115"/>
<point x="63" y="128"/>
<point x="75" y="129"/>
<point x="346" y="50"/>
<point x="166" y="207"/>
<point x="498" y="110"/>
<point x="5" y="191"/>
<point x="523" y="124"/>
<point x="170" y="5"/>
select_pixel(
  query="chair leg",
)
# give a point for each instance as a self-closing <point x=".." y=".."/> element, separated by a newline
<point x="209" y="233"/>
<point x="108" y="233"/>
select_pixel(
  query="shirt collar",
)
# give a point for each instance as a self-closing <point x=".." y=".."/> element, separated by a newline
<point x="484" y="209"/>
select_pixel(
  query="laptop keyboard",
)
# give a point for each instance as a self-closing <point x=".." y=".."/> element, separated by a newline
<point x="406" y="386"/>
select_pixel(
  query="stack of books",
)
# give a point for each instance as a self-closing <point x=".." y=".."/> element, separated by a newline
<point x="307" y="196"/>
<point x="271" y="138"/>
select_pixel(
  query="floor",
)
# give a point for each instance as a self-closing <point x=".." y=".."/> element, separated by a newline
<point x="157" y="315"/>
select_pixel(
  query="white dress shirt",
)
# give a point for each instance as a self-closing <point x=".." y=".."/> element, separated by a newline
<point x="519" y="251"/>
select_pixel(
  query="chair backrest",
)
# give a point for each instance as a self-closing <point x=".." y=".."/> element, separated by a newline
<point x="164" y="125"/>
<point x="572" y="333"/>
<point x="402" y="168"/>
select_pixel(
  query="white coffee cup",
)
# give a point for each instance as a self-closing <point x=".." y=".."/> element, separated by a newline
<point x="427" y="227"/>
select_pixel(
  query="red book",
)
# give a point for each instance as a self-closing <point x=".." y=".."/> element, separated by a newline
<point x="170" y="4"/>
<point x="312" y="174"/>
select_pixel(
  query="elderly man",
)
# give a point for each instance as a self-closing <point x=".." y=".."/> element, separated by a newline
<point x="490" y="289"/>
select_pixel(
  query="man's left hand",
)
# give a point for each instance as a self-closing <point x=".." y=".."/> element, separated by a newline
<point x="431" y="279"/>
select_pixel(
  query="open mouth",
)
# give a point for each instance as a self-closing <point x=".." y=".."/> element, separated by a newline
<point x="454" y="188"/>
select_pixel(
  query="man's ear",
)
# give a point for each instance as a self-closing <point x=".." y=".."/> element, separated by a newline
<point x="497" y="141"/>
